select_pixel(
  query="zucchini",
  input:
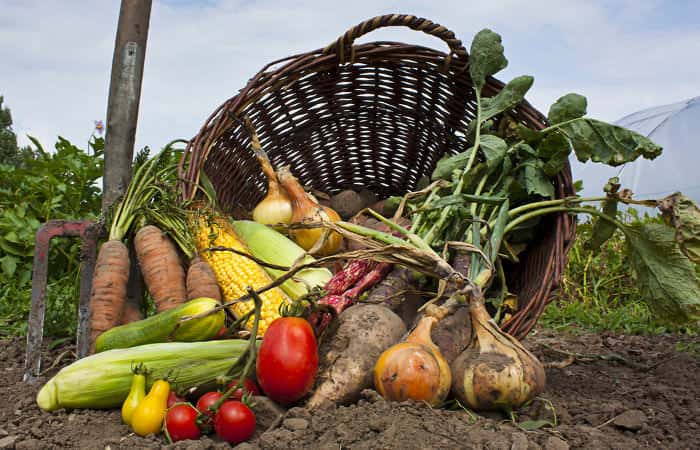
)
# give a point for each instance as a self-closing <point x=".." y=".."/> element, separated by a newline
<point x="163" y="327"/>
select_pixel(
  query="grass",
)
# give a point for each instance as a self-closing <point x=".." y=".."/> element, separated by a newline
<point x="598" y="292"/>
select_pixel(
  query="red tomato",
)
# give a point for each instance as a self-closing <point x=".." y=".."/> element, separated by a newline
<point x="181" y="423"/>
<point x="174" y="398"/>
<point x="205" y="401"/>
<point x="234" y="422"/>
<point x="287" y="360"/>
<point x="249" y="386"/>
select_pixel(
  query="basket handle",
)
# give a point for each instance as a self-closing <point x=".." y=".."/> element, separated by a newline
<point x="344" y="45"/>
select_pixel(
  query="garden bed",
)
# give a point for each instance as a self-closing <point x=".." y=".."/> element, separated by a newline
<point x="647" y="398"/>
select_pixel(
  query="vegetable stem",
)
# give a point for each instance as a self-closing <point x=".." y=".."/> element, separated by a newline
<point x="544" y="211"/>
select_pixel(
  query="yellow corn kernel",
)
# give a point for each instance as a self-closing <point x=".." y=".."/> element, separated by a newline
<point x="235" y="273"/>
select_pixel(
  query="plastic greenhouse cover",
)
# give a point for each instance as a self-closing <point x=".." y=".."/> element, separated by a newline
<point x="676" y="128"/>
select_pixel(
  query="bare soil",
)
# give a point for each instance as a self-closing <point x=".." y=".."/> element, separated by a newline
<point x="636" y="392"/>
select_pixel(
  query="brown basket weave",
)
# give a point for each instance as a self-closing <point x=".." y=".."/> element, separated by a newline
<point x="377" y="116"/>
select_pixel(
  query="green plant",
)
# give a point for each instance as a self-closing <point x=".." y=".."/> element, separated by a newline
<point x="599" y="291"/>
<point x="44" y="186"/>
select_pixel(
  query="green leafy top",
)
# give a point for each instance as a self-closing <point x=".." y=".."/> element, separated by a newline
<point x="486" y="57"/>
<point x="493" y="193"/>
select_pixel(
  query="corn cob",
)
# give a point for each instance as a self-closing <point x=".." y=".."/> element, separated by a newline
<point x="235" y="273"/>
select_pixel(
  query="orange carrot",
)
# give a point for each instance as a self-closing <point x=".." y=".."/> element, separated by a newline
<point x="201" y="281"/>
<point x="131" y="313"/>
<point x="161" y="267"/>
<point x="108" y="293"/>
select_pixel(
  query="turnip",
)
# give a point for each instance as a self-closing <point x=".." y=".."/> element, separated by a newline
<point x="348" y="355"/>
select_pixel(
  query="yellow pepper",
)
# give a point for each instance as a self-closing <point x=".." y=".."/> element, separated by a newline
<point x="150" y="413"/>
<point x="136" y="395"/>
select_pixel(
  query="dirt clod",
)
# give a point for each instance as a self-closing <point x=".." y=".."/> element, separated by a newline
<point x="8" y="441"/>
<point x="632" y="420"/>
<point x="295" y="424"/>
<point x="555" y="443"/>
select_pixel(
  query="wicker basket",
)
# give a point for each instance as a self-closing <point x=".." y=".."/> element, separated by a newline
<point x="378" y="116"/>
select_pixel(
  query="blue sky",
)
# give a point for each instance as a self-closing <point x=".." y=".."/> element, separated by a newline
<point x="623" y="55"/>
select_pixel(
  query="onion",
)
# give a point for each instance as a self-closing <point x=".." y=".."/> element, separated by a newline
<point x="495" y="372"/>
<point x="306" y="210"/>
<point x="414" y="369"/>
<point x="276" y="207"/>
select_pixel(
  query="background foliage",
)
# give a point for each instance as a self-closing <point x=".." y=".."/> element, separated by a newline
<point x="36" y="186"/>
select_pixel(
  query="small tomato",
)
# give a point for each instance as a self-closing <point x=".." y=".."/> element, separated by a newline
<point x="234" y="422"/>
<point x="249" y="387"/>
<point x="205" y="401"/>
<point x="174" y="398"/>
<point x="181" y="423"/>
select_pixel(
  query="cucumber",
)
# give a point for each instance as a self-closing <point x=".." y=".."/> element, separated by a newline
<point x="163" y="327"/>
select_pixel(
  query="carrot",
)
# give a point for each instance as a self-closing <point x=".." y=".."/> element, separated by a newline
<point x="111" y="277"/>
<point x="201" y="281"/>
<point x="131" y="313"/>
<point x="161" y="267"/>
<point x="109" y="282"/>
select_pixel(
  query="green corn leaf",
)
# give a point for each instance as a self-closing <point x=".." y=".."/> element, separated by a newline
<point x="665" y="276"/>
<point x="486" y="57"/>
<point x="569" y="107"/>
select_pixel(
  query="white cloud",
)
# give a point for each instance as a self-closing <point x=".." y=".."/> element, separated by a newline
<point x="57" y="55"/>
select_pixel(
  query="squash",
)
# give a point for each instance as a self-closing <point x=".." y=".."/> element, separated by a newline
<point x="165" y="326"/>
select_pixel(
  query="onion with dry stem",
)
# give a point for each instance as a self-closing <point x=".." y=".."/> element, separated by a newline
<point x="495" y="372"/>
<point x="414" y="369"/>
<point x="276" y="207"/>
<point x="305" y="211"/>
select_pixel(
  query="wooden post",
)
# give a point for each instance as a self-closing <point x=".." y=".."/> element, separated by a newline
<point x="122" y="114"/>
<point x="124" y="96"/>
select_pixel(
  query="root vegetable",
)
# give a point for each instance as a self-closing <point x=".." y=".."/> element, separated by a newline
<point x="201" y="281"/>
<point x="397" y="291"/>
<point x="495" y="371"/>
<point x="161" y="267"/>
<point x="348" y="356"/>
<point x="414" y="369"/>
<point x="130" y="313"/>
<point x="109" y="282"/>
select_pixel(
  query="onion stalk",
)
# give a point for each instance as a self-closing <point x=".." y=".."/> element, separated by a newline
<point x="276" y="207"/>
<point x="308" y="211"/>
